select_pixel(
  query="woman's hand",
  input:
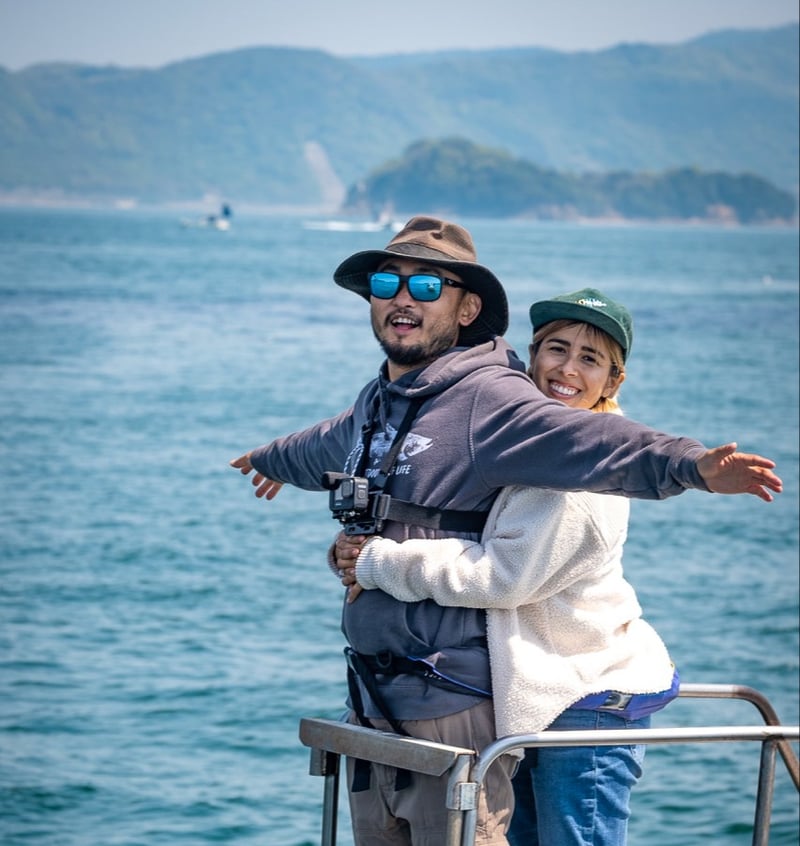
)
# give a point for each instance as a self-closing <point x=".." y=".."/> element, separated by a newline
<point x="346" y="550"/>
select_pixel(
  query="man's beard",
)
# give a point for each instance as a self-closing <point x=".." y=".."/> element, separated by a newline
<point x="416" y="355"/>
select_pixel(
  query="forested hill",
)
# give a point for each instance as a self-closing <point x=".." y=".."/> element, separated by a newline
<point x="455" y="177"/>
<point x="278" y="126"/>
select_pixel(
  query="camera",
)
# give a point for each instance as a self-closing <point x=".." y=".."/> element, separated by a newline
<point x="352" y="504"/>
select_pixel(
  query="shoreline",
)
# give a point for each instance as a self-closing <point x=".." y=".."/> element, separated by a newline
<point x="54" y="201"/>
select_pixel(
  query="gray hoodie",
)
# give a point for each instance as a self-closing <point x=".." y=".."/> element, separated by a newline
<point x="483" y="425"/>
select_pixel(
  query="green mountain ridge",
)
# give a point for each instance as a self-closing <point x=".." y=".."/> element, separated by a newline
<point x="287" y="127"/>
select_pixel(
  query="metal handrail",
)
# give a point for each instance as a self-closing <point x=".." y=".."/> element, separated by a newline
<point x="762" y="704"/>
<point x="769" y="736"/>
<point x="329" y="740"/>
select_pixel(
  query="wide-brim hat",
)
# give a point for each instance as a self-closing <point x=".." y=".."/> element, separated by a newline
<point x="588" y="306"/>
<point x="441" y="244"/>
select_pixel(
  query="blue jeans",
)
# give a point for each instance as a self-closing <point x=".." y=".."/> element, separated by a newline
<point x="577" y="796"/>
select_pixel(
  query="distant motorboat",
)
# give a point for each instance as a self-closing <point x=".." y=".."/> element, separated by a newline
<point x="221" y="221"/>
<point x="384" y="223"/>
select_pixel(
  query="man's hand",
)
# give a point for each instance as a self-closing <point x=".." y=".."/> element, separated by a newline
<point x="726" y="471"/>
<point x="267" y="488"/>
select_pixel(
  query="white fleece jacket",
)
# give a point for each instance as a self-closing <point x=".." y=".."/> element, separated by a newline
<point x="562" y="620"/>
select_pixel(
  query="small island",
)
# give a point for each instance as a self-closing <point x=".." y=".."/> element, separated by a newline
<point x="457" y="177"/>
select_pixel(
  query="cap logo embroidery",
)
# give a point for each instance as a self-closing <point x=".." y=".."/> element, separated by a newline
<point x="590" y="301"/>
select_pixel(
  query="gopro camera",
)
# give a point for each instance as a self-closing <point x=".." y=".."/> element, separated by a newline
<point x="351" y="503"/>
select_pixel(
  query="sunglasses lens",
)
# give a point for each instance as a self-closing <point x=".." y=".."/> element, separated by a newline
<point x="425" y="288"/>
<point x="384" y="285"/>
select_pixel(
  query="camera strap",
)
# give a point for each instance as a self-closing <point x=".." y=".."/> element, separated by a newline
<point x="387" y="465"/>
<point x="445" y="519"/>
<point x="357" y="668"/>
<point x="366" y="436"/>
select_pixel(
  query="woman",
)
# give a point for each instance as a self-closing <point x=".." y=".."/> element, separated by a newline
<point x="567" y="644"/>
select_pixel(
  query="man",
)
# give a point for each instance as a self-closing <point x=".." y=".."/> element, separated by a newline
<point x="450" y="419"/>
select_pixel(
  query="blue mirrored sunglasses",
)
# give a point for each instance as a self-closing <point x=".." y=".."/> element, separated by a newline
<point x="424" y="287"/>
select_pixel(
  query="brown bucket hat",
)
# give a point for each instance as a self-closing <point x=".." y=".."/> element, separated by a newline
<point x="440" y="244"/>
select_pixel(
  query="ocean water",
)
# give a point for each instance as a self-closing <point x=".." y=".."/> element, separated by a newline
<point x="162" y="631"/>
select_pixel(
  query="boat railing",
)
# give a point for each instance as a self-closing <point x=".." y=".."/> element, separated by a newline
<point x="329" y="740"/>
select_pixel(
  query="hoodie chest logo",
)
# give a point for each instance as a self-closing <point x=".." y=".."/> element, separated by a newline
<point x="412" y="445"/>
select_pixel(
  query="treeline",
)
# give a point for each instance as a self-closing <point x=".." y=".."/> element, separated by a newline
<point x="458" y="177"/>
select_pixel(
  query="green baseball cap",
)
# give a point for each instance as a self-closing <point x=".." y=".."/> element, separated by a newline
<point x="588" y="306"/>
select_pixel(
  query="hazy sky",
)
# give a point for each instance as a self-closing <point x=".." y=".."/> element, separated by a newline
<point x="152" y="33"/>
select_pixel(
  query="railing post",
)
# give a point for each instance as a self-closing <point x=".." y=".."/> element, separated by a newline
<point x="766" y="790"/>
<point x="460" y="798"/>
<point x="327" y="764"/>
